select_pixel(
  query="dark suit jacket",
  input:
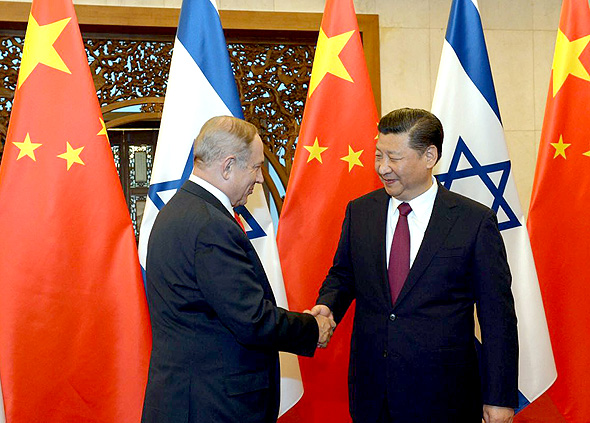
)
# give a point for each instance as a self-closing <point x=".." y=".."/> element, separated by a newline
<point x="215" y="325"/>
<point x="420" y="352"/>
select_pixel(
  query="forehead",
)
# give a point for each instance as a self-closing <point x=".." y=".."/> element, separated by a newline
<point x="393" y="142"/>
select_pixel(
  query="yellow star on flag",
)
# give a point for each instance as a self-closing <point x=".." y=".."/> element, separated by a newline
<point x="587" y="154"/>
<point x="72" y="155"/>
<point x="315" y="151"/>
<point x="327" y="59"/>
<point x="567" y="60"/>
<point x="353" y="158"/>
<point x="560" y="147"/>
<point x="39" y="41"/>
<point x="27" y="148"/>
<point x="103" y="130"/>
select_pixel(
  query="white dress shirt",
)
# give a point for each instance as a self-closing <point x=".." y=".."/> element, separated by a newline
<point x="417" y="220"/>
<point x="220" y="195"/>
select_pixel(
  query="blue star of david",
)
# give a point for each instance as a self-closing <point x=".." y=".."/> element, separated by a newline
<point x="483" y="172"/>
<point x="154" y="191"/>
<point x="256" y="230"/>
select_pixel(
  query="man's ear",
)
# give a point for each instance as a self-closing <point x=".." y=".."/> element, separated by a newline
<point x="227" y="165"/>
<point x="431" y="154"/>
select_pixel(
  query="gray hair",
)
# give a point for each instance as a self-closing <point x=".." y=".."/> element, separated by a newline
<point x="223" y="136"/>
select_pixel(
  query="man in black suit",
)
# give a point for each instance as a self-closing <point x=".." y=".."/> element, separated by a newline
<point x="416" y="273"/>
<point x="215" y="324"/>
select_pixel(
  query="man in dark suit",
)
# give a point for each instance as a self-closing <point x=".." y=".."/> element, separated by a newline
<point x="417" y="258"/>
<point x="215" y="324"/>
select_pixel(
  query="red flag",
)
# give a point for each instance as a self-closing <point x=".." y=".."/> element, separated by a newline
<point x="334" y="163"/>
<point x="74" y="324"/>
<point x="558" y="217"/>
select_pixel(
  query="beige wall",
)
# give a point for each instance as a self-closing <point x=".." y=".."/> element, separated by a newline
<point x="520" y="37"/>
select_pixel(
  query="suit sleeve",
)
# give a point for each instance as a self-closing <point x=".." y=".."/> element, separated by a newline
<point x="229" y="282"/>
<point x="496" y="316"/>
<point x="337" y="290"/>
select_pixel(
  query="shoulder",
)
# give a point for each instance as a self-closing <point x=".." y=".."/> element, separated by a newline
<point x="466" y="204"/>
<point x="371" y="199"/>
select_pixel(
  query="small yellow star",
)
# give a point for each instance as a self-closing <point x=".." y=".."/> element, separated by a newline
<point x="560" y="147"/>
<point x="327" y="59"/>
<point x="353" y="158"/>
<point x="315" y="151"/>
<point x="27" y="148"/>
<point x="587" y="154"/>
<point x="72" y="155"/>
<point x="567" y="60"/>
<point x="103" y="130"/>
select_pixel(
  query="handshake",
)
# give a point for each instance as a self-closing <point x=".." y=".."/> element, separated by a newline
<point x="326" y="323"/>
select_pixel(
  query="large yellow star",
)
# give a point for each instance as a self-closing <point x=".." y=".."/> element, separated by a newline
<point x="560" y="147"/>
<point x="315" y="151"/>
<point x="27" y="148"/>
<point x="39" y="48"/>
<point x="353" y="158"/>
<point x="72" y="155"/>
<point x="567" y="60"/>
<point x="326" y="59"/>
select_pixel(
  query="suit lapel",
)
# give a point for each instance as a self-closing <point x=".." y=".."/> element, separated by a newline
<point x="201" y="192"/>
<point x="441" y="221"/>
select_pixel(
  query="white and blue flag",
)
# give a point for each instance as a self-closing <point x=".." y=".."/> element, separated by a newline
<point x="475" y="163"/>
<point x="201" y="85"/>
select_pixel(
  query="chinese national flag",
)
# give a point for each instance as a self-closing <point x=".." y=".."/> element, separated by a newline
<point x="334" y="163"/>
<point x="74" y="324"/>
<point x="558" y="221"/>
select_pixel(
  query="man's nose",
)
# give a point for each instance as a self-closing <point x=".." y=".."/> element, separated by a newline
<point x="259" y="176"/>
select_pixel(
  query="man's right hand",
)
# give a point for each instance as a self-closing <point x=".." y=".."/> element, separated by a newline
<point x="325" y="319"/>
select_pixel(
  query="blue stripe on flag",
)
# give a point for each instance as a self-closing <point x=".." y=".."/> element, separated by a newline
<point x="465" y="35"/>
<point x="200" y="32"/>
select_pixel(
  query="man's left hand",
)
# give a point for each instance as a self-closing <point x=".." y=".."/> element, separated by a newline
<point x="495" y="414"/>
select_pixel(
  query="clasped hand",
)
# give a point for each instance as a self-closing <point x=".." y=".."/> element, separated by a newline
<point x="326" y="323"/>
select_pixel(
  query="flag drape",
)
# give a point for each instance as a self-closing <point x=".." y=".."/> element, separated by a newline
<point x="74" y="324"/>
<point x="475" y="163"/>
<point x="201" y="85"/>
<point x="557" y="220"/>
<point x="334" y="163"/>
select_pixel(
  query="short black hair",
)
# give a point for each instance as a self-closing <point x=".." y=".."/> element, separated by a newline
<point x="423" y="128"/>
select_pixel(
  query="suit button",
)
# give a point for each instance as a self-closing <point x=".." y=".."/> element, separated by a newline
<point x="392" y="317"/>
<point x="384" y="353"/>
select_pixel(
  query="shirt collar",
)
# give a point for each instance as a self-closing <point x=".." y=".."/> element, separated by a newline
<point x="220" y="195"/>
<point x="422" y="204"/>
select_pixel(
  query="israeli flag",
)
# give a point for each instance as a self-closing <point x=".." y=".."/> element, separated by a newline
<point x="475" y="163"/>
<point x="201" y="85"/>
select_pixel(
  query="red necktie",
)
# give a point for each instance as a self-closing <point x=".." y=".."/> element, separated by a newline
<point x="237" y="216"/>
<point x="399" y="257"/>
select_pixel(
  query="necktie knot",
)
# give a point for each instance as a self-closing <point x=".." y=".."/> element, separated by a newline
<point x="404" y="209"/>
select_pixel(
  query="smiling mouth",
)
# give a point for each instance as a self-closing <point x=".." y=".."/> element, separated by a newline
<point x="388" y="181"/>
